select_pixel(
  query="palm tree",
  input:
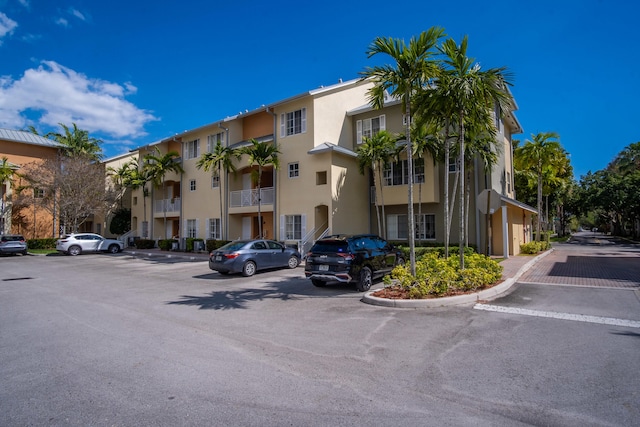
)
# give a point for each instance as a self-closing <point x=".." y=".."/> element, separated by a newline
<point x="413" y="69"/>
<point x="121" y="177"/>
<point x="158" y="166"/>
<point x="7" y="170"/>
<point x="536" y="156"/>
<point x="471" y="93"/>
<point x="77" y="142"/>
<point x="217" y="161"/>
<point x="374" y="153"/>
<point x="139" y="179"/>
<point x="261" y="154"/>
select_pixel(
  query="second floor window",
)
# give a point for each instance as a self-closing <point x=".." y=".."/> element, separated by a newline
<point x="192" y="185"/>
<point x="215" y="180"/>
<point x="293" y="123"/>
<point x="397" y="173"/>
<point x="369" y="127"/>
<point x="192" y="149"/>
<point x="38" y="193"/>
<point x="294" y="170"/>
<point x="212" y="141"/>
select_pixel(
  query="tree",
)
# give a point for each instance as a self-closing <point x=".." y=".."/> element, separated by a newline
<point x="121" y="177"/>
<point x="76" y="142"/>
<point x="7" y="171"/>
<point x="157" y="166"/>
<point x="413" y="69"/>
<point x="470" y="94"/>
<point x="536" y="156"/>
<point x="262" y="155"/>
<point x="218" y="161"/>
<point x="139" y="179"/>
<point x="374" y="153"/>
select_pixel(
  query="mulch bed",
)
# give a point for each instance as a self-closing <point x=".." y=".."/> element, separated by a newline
<point x="397" y="292"/>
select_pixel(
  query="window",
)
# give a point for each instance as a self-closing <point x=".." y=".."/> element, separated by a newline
<point x="215" y="180"/>
<point x="293" y="227"/>
<point x="294" y="170"/>
<point x="38" y="193"/>
<point x="398" y="226"/>
<point x="321" y="178"/>
<point x="213" y="231"/>
<point x="192" y="228"/>
<point x="369" y="127"/>
<point x="212" y="141"/>
<point x="453" y="164"/>
<point x="508" y="182"/>
<point x="498" y="118"/>
<point x="293" y="123"/>
<point x="192" y="149"/>
<point x="398" y="173"/>
<point x="192" y="185"/>
<point x="135" y="200"/>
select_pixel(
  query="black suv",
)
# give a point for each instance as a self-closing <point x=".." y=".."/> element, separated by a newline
<point x="351" y="259"/>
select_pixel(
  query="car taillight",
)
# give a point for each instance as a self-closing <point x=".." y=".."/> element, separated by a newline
<point x="231" y="256"/>
<point x="347" y="257"/>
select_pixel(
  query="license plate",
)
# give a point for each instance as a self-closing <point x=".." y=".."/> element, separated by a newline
<point x="323" y="267"/>
<point x="218" y="257"/>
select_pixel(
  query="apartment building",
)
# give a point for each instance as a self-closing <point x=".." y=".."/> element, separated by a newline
<point x="317" y="188"/>
<point x="20" y="212"/>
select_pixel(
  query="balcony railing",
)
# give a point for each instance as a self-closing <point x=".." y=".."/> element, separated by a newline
<point x="242" y="198"/>
<point x="167" y="205"/>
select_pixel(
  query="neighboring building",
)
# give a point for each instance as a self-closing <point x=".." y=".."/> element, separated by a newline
<point x="23" y="215"/>
<point x="318" y="188"/>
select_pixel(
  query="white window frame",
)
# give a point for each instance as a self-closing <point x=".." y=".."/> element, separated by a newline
<point x="369" y="127"/>
<point x="191" y="228"/>
<point x="212" y="141"/>
<point x="192" y="149"/>
<point x="192" y="185"/>
<point x="294" y="169"/>
<point x="215" y="180"/>
<point x="397" y="226"/>
<point x="293" y="227"/>
<point x="213" y="231"/>
<point x="390" y="177"/>
<point x="290" y="124"/>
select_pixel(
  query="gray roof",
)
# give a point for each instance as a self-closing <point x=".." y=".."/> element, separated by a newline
<point x="27" y="138"/>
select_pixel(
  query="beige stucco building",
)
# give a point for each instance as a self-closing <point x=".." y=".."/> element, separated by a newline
<point x="318" y="188"/>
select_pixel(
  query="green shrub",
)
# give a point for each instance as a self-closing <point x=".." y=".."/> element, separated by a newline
<point x="215" y="244"/>
<point x="436" y="276"/>
<point x="49" y="243"/>
<point x="533" y="248"/>
<point x="166" y="244"/>
<point x="144" y="244"/>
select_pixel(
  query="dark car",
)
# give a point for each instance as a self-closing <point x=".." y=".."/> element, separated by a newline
<point x="355" y="259"/>
<point x="13" y="244"/>
<point x="249" y="256"/>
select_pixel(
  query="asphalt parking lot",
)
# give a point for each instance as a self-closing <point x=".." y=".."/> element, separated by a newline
<point x="118" y="340"/>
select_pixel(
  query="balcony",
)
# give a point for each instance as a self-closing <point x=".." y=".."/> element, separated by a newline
<point x="167" y="205"/>
<point x="245" y="198"/>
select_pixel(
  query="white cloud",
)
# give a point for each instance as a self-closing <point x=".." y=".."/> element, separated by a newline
<point x="61" y="95"/>
<point x="77" y="14"/>
<point x="7" y="25"/>
<point x="62" y="22"/>
<point x="25" y="3"/>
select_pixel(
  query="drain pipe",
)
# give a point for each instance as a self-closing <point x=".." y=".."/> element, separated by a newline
<point x="226" y="189"/>
<point x="276" y="230"/>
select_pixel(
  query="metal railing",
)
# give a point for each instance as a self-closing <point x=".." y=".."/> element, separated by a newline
<point x="167" y="205"/>
<point x="242" y="198"/>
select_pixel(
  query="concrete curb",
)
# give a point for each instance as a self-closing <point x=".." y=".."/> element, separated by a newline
<point x="487" y="294"/>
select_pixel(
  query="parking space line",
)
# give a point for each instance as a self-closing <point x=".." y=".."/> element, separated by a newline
<point x="561" y="316"/>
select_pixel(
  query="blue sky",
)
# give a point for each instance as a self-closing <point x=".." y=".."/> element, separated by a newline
<point x="133" y="72"/>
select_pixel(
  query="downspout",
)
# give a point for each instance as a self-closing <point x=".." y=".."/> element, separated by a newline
<point x="182" y="233"/>
<point x="226" y="189"/>
<point x="276" y="229"/>
<point x="477" y="211"/>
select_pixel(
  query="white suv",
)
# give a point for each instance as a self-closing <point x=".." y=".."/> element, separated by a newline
<point x="75" y="244"/>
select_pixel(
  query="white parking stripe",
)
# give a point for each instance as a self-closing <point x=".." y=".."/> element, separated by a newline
<point x="561" y="316"/>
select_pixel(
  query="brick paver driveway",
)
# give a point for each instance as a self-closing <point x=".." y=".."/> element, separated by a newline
<point x="589" y="259"/>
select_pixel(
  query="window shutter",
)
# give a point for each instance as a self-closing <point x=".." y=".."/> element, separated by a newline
<point x="184" y="228"/>
<point x="303" y="226"/>
<point x="282" y="233"/>
<point x="207" y="229"/>
<point x="223" y="137"/>
<point x="359" y="132"/>
<point x="282" y="125"/>
<point x="304" y="120"/>
<point x="383" y="125"/>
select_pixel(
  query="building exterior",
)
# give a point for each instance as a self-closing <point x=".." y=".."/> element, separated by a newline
<point x="20" y="212"/>
<point x="317" y="188"/>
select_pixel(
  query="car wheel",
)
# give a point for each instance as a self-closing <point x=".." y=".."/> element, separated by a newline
<point x="318" y="283"/>
<point x="74" y="250"/>
<point x="293" y="262"/>
<point x="114" y="249"/>
<point x="365" y="279"/>
<point x="249" y="268"/>
<point x="25" y="253"/>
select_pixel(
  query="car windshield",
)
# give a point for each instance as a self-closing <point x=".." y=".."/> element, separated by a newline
<point x="330" y="246"/>
<point x="12" y="238"/>
<point x="233" y="246"/>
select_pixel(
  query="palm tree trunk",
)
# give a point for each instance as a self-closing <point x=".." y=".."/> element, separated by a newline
<point x="375" y="186"/>
<point x="446" y="191"/>
<point x="539" y="207"/>
<point x="259" y="202"/>
<point x="220" y="189"/>
<point x="462" y="231"/>
<point x="384" y="218"/>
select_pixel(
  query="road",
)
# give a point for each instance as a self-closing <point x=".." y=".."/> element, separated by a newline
<point x="112" y="340"/>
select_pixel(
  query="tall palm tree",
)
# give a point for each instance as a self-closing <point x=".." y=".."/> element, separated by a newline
<point x="472" y="92"/>
<point x="414" y="67"/>
<point x="77" y="142"/>
<point x="139" y="179"/>
<point x="374" y="153"/>
<point x="218" y="161"/>
<point x="536" y="156"/>
<point x="262" y="155"/>
<point x="121" y="177"/>
<point x="7" y="170"/>
<point x="158" y="165"/>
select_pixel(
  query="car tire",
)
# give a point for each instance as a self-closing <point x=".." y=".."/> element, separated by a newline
<point x="74" y="250"/>
<point x="25" y="253"/>
<point x="318" y="283"/>
<point x="249" y="269"/>
<point x="293" y="262"/>
<point x="364" y="280"/>
<point x="114" y="249"/>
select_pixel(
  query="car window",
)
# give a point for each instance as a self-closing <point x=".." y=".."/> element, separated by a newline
<point x="330" y="246"/>
<point x="259" y="245"/>
<point x="274" y="245"/>
<point x="12" y="238"/>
